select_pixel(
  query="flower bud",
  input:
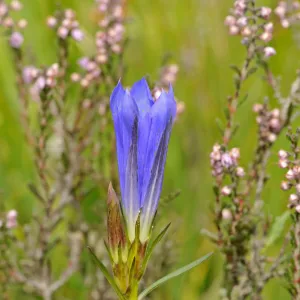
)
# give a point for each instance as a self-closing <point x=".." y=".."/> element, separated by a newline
<point x="62" y="32"/>
<point x="283" y="163"/>
<point x="285" y="185"/>
<point x="226" y="190"/>
<point x="233" y="30"/>
<point x="293" y="198"/>
<point x="116" y="235"/>
<point x="226" y="214"/>
<point x="77" y="35"/>
<point x="242" y="22"/>
<point x="16" y="40"/>
<point x="240" y="172"/>
<point x="226" y="160"/>
<point x="265" y="12"/>
<point x="290" y="175"/>
<point x="11" y="219"/>
<point x="51" y="22"/>
<point x="282" y="154"/>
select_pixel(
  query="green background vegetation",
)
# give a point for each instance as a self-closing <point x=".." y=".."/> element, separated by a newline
<point x="192" y="31"/>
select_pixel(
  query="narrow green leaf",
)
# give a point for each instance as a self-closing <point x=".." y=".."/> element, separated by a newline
<point x="277" y="229"/>
<point x="173" y="275"/>
<point x="106" y="274"/>
<point x="152" y="246"/>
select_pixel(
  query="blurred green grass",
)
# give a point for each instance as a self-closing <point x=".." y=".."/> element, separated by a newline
<point x="192" y="31"/>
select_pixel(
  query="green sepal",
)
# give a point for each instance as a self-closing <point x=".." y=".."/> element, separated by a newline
<point x="107" y="275"/>
<point x="174" y="274"/>
<point x="151" y="247"/>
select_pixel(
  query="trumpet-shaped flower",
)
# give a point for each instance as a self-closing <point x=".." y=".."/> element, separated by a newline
<point x="143" y="127"/>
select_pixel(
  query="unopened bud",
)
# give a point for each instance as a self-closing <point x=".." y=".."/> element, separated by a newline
<point x="240" y="172"/>
<point x="226" y="214"/>
<point x="293" y="198"/>
<point x="285" y="186"/>
<point x="282" y="154"/>
<point x="116" y="235"/>
<point x="290" y="175"/>
<point x="283" y="163"/>
<point x="226" y="190"/>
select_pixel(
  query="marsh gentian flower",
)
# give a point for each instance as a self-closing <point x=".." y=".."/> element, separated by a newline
<point x="143" y="127"/>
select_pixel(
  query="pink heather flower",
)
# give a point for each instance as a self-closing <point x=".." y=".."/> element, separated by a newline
<point x="233" y="30"/>
<point x="242" y="22"/>
<point x="29" y="73"/>
<point x="77" y="35"/>
<point x="11" y="219"/>
<point x="226" y="214"/>
<point x="70" y="14"/>
<point x="75" y="77"/>
<point x="265" y="12"/>
<point x="269" y="51"/>
<point x="272" y="137"/>
<point x="290" y="175"/>
<point x="282" y="154"/>
<point x="298" y="188"/>
<point x="16" y="5"/>
<point x="266" y="36"/>
<point x="22" y="23"/>
<point x="293" y="198"/>
<point x="235" y="153"/>
<point x="280" y="10"/>
<point x="180" y="108"/>
<point x="269" y="27"/>
<point x="230" y="20"/>
<point x="40" y="83"/>
<point x="16" y="40"/>
<point x="285" y="23"/>
<point x="240" y="172"/>
<point x="285" y="186"/>
<point x="102" y="58"/>
<point x="298" y="209"/>
<point x="257" y="107"/>
<point x="3" y="9"/>
<point x="226" y="160"/>
<point x="51" y="21"/>
<point x="62" y="32"/>
<point x="296" y="5"/>
<point x="246" y="31"/>
<point x="84" y="62"/>
<point x="275" y="113"/>
<point x="226" y="190"/>
<point x="283" y="163"/>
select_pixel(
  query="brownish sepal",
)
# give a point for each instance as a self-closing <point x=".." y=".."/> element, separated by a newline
<point x="115" y="226"/>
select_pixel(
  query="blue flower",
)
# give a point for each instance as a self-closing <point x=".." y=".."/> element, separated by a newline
<point x="143" y="127"/>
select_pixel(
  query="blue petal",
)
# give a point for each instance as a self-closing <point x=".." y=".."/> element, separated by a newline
<point x="151" y="132"/>
<point x="131" y="201"/>
<point x="155" y="185"/>
<point x="124" y="112"/>
<point x="141" y="94"/>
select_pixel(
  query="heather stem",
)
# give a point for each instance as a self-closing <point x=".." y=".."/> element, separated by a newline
<point x="296" y="257"/>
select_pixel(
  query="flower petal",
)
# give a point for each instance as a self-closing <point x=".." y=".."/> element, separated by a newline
<point x="155" y="185"/>
<point x="124" y="112"/>
<point x="141" y="94"/>
<point x="151" y="131"/>
<point x="131" y="202"/>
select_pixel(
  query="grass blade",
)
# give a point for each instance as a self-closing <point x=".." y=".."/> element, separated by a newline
<point x="173" y="275"/>
<point x="107" y="275"/>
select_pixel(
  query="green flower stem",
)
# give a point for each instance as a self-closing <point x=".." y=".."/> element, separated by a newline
<point x="133" y="290"/>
